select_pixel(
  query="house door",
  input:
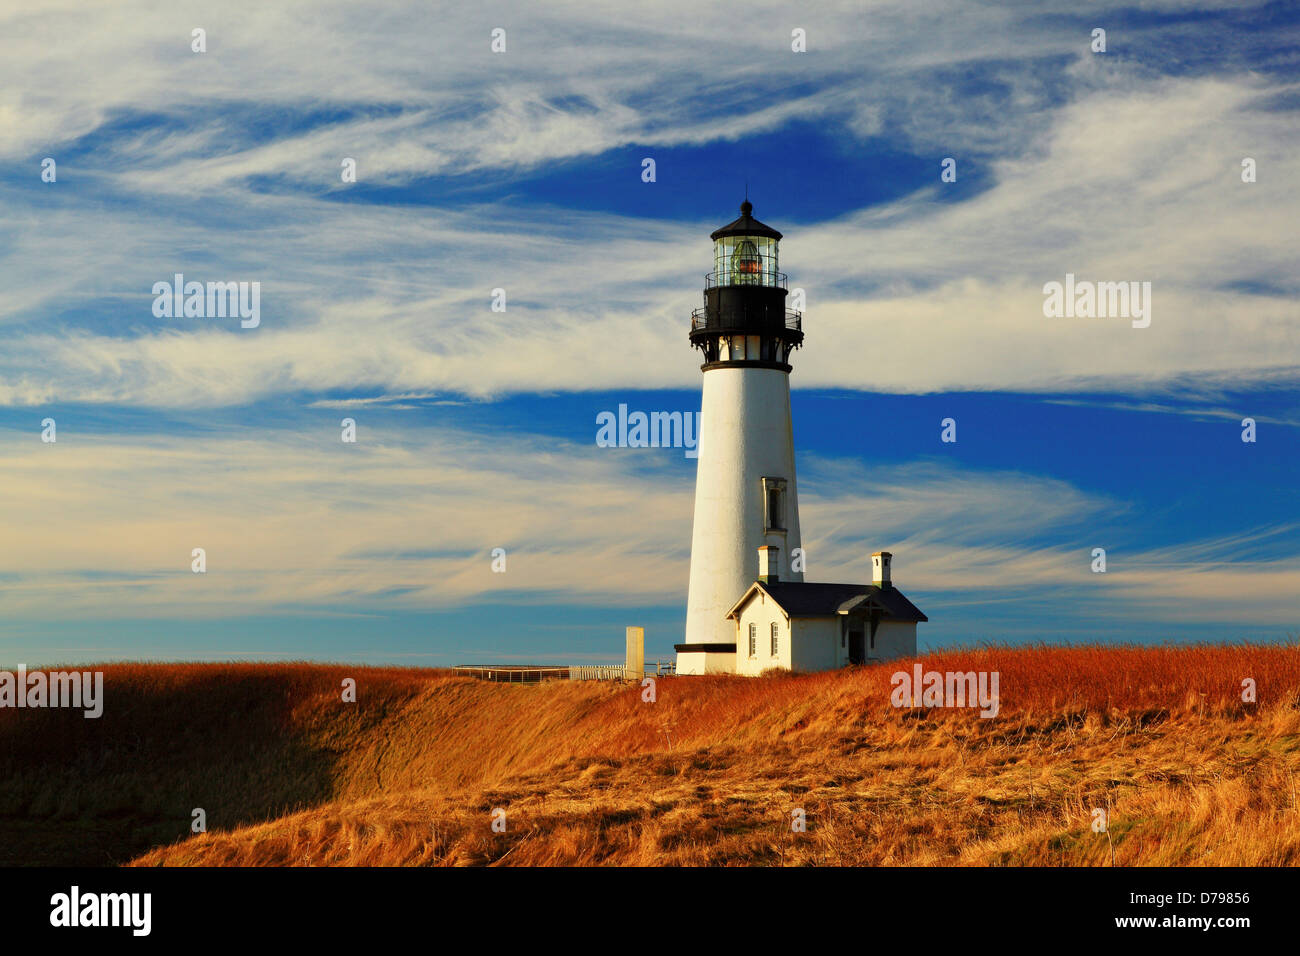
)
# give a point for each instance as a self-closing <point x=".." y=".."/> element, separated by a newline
<point x="857" y="653"/>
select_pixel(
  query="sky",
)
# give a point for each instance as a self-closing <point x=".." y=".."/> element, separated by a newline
<point x="523" y="171"/>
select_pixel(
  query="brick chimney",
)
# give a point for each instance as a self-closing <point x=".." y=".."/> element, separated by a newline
<point x="880" y="569"/>
<point x="769" y="564"/>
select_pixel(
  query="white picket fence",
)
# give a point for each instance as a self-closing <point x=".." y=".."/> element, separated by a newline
<point x="596" y="672"/>
<point x="615" y="671"/>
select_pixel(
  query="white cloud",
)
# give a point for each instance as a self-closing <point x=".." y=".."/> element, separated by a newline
<point x="919" y="295"/>
<point x="103" y="528"/>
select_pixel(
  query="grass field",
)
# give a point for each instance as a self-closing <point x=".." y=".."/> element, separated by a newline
<point x="709" y="773"/>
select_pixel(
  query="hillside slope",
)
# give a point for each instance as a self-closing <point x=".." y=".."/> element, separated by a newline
<point x="708" y="773"/>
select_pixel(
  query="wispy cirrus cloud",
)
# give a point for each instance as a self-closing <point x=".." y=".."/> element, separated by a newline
<point x="290" y="520"/>
<point x="1086" y="162"/>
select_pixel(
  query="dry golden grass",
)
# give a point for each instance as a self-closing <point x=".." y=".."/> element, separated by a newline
<point x="709" y="773"/>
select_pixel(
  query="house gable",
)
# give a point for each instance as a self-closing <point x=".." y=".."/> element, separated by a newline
<point x="755" y="589"/>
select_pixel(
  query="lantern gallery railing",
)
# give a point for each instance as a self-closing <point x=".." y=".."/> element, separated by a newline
<point x="699" y="319"/>
<point x="728" y="277"/>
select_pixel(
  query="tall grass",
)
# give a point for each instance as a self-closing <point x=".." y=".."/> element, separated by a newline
<point x="289" y="773"/>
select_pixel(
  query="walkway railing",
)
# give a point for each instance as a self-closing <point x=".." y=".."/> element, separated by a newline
<point x="536" y="673"/>
<point x="700" y="319"/>
<point x="514" y="673"/>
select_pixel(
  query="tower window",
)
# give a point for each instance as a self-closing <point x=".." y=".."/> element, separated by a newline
<point x="774" y="505"/>
<point x="774" y="638"/>
<point x="753" y="640"/>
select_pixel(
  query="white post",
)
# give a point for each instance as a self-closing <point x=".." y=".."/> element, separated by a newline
<point x="634" y="663"/>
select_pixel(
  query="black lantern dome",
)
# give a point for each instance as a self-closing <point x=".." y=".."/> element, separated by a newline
<point x="744" y="321"/>
<point x="746" y="225"/>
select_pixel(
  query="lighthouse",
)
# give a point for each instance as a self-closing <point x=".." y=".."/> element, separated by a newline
<point x="745" y="490"/>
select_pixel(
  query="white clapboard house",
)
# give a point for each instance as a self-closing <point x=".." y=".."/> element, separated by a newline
<point x="804" y="626"/>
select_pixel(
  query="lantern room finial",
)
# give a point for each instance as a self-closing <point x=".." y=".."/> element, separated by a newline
<point x="746" y="225"/>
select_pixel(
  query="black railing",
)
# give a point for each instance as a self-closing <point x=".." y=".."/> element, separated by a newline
<point x="700" y="318"/>
<point x="730" y="277"/>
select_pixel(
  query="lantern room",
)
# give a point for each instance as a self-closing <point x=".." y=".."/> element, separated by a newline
<point x="745" y="251"/>
<point x="745" y="260"/>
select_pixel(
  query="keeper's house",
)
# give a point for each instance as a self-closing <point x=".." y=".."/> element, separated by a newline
<point x="811" y="627"/>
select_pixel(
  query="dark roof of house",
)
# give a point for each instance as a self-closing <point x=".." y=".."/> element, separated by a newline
<point x="801" y="599"/>
<point x="746" y="225"/>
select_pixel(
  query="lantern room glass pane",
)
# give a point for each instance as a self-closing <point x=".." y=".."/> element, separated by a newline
<point x="745" y="260"/>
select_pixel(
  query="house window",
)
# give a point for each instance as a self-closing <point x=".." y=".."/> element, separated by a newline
<point x="774" y="505"/>
<point x="753" y="640"/>
<point x="774" y="641"/>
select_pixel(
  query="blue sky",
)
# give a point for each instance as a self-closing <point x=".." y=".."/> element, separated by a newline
<point x="522" y="171"/>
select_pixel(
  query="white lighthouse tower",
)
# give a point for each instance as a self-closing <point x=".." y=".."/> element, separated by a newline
<point x="745" y="493"/>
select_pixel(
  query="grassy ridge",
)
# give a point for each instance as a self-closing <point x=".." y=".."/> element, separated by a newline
<point x="709" y="773"/>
